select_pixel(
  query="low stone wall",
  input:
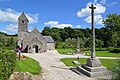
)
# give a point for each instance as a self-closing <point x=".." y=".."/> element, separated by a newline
<point x="21" y="76"/>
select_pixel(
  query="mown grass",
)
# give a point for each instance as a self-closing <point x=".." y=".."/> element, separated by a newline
<point x="103" y="54"/>
<point x="28" y="65"/>
<point x="66" y="51"/>
<point x="109" y="63"/>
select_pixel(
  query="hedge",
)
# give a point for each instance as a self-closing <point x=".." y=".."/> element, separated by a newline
<point x="97" y="49"/>
<point x="7" y="64"/>
<point x="114" y="50"/>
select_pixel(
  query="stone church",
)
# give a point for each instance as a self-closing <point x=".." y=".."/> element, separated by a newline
<point x="34" y="41"/>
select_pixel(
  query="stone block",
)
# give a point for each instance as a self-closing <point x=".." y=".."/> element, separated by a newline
<point x="94" y="71"/>
<point x="93" y="62"/>
<point x="76" y="62"/>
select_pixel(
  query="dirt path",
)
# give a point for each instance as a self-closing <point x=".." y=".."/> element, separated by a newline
<point x="53" y="68"/>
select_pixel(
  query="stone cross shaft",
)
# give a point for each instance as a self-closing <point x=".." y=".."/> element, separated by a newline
<point x="78" y="44"/>
<point x="93" y="31"/>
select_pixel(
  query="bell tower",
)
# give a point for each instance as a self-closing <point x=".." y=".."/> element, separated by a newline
<point x="22" y="28"/>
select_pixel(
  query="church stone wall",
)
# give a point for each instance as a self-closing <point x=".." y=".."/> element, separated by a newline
<point x="35" y="38"/>
<point x="50" y="46"/>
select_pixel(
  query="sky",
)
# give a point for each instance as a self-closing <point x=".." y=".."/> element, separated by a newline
<point x="54" y="13"/>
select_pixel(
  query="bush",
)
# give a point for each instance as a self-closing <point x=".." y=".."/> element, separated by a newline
<point x="8" y="48"/>
<point x="101" y="49"/>
<point x="116" y="71"/>
<point x="60" y="45"/>
<point x="114" y="50"/>
<point x="96" y="49"/>
<point x="109" y="48"/>
<point x="7" y="64"/>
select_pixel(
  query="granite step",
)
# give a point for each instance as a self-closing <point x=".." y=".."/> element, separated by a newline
<point x="93" y="74"/>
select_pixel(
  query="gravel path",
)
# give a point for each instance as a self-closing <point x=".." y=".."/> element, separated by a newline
<point x="54" y="69"/>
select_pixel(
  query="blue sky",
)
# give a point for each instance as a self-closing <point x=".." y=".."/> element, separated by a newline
<point x="54" y="13"/>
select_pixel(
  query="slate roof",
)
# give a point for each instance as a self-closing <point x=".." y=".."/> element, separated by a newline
<point x="49" y="39"/>
<point x="23" y="17"/>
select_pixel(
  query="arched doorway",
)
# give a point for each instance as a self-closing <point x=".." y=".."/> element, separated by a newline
<point x="26" y="49"/>
<point x="35" y="48"/>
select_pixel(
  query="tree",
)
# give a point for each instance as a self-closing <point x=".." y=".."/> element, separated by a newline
<point x="71" y="43"/>
<point x="112" y="26"/>
<point x="114" y="39"/>
<point x="46" y="31"/>
<point x="55" y="33"/>
<point x="10" y="42"/>
<point x="78" y="33"/>
<point x="87" y="32"/>
<point x="118" y="42"/>
<point x="64" y="35"/>
<point x="105" y="35"/>
<point x="113" y="22"/>
<point x="69" y="30"/>
<point x="99" y="43"/>
<point x="2" y="39"/>
<point x="88" y="42"/>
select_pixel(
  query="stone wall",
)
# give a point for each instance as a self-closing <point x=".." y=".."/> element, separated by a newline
<point x="50" y="46"/>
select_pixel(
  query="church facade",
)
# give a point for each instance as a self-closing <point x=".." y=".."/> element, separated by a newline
<point x="34" y="41"/>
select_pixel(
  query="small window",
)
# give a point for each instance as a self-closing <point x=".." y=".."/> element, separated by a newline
<point x="22" y="21"/>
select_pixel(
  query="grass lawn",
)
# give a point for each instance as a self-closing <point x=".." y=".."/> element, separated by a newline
<point x="109" y="63"/>
<point x="104" y="54"/>
<point x="65" y="51"/>
<point x="28" y="65"/>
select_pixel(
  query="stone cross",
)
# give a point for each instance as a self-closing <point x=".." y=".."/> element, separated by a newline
<point x="78" y="46"/>
<point x="93" y="31"/>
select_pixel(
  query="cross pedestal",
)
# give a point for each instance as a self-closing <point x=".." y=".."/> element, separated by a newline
<point x="94" y="68"/>
<point x="93" y="62"/>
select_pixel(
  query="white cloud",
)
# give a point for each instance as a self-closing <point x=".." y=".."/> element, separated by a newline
<point x="86" y="11"/>
<point x="103" y="1"/>
<point x="51" y="23"/>
<point x="57" y="24"/>
<point x="95" y="1"/>
<point x="12" y="16"/>
<point x="4" y="31"/>
<point x="33" y="18"/>
<point x="96" y="18"/>
<point x="99" y="21"/>
<point x="100" y="9"/>
<point x="78" y="26"/>
<point x="63" y="25"/>
<point x="12" y="28"/>
<point x="111" y="4"/>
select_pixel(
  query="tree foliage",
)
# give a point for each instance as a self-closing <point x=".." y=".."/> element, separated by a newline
<point x="112" y="22"/>
<point x="6" y="40"/>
